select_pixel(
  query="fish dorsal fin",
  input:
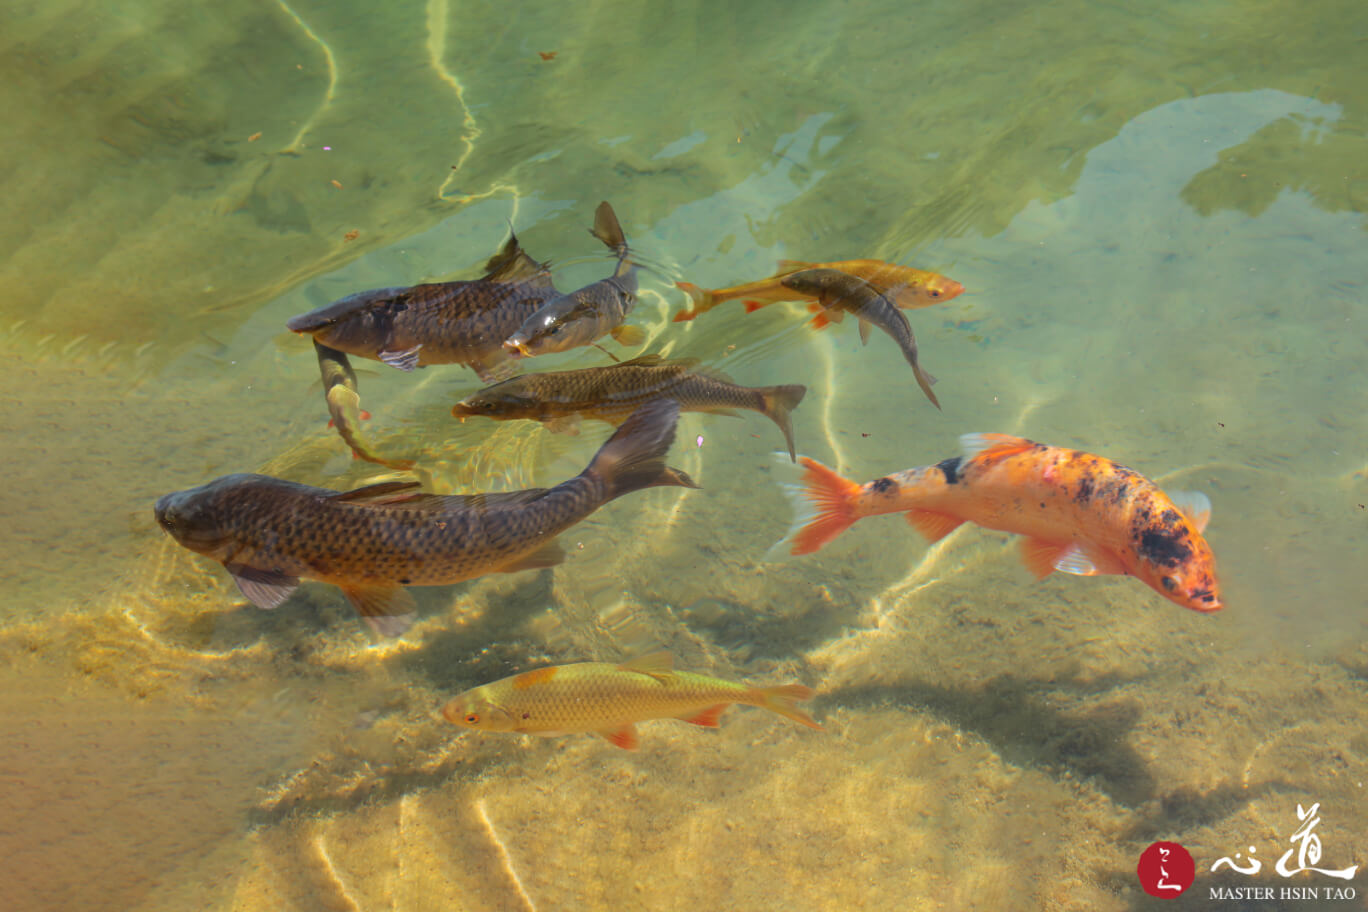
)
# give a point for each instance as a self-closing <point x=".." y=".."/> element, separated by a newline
<point x="512" y="264"/>
<point x="997" y="445"/>
<point x="386" y="492"/>
<point x="607" y="229"/>
<point x="495" y="498"/>
<point x="787" y="266"/>
<point x="659" y="665"/>
<point x="653" y="359"/>
<point x="1194" y="505"/>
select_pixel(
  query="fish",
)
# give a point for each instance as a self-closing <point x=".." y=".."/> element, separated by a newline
<point x="610" y="699"/>
<point x="840" y="292"/>
<point x="906" y="287"/>
<point x="344" y="406"/>
<point x="1076" y="512"/>
<point x="594" y="311"/>
<point x="438" y="323"/>
<point x="559" y="399"/>
<point x="374" y="541"/>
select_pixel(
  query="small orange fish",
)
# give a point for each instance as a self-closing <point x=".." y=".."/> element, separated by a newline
<point x="610" y="699"/>
<point x="1078" y="513"/>
<point x="906" y="287"/>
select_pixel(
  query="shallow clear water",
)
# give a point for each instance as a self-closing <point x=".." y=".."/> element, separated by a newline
<point x="1158" y="215"/>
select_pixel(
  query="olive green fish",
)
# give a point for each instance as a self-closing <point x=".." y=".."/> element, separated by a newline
<point x="610" y="699"/>
<point x="344" y="405"/>
<point x="587" y="315"/>
<point x="375" y="540"/>
<point x="560" y="398"/>
<point x="840" y="292"/>
<point x="440" y="323"/>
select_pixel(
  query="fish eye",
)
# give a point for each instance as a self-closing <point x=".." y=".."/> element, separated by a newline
<point x="1169" y="583"/>
<point x="472" y="719"/>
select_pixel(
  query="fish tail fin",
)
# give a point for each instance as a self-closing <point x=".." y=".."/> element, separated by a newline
<point x="634" y="457"/>
<point x="700" y="299"/>
<point x="778" y="402"/>
<point x="784" y="700"/>
<point x="823" y="506"/>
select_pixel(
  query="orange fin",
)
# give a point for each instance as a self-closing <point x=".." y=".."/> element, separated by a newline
<point x="1040" y="556"/>
<point x="624" y="737"/>
<point x="753" y="306"/>
<point x="708" y="718"/>
<point x="992" y="446"/>
<point x="659" y="665"/>
<point x="685" y="315"/>
<point x="820" y="321"/>
<point x="814" y="307"/>
<point x="934" y="526"/>
<point x="824" y="504"/>
<point x="784" y="699"/>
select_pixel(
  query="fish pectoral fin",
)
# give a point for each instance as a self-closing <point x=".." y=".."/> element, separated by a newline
<point x="753" y="306"/>
<point x="405" y="360"/>
<point x="263" y="588"/>
<point x="821" y="321"/>
<point x="708" y="718"/>
<point x="1040" y="556"/>
<point x="628" y="335"/>
<point x="624" y="736"/>
<point x="386" y="492"/>
<point x="659" y="665"/>
<point x="1074" y="559"/>
<point x="548" y="555"/>
<point x="563" y="424"/>
<point x="389" y="610"/>
<point x="934" y="526"/>
<point x="865" y="329"/>
<point x="1194" y="505"/>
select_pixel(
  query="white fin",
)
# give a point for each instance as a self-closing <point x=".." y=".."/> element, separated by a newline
<point x="1075" y="561"/>
<point x="788" y="474"/>
<point x="865" y="327"/>
<point x="1194" y="505"/>
<point x="405" y="360"/>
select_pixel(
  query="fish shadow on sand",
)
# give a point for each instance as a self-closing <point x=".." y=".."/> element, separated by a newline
<point x="453" y="659"/>
<point x="1016" y="717"/>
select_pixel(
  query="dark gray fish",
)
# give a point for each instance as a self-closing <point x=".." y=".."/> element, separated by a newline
<point x="374" y="541"/>
<point x="560" y="398"/>
<point x="439" y="323"/>
<point x="587" y="315"/>
<point x="840" y="292"/>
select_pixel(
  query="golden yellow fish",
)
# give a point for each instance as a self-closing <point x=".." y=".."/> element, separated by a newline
<point x="610" y="699"/>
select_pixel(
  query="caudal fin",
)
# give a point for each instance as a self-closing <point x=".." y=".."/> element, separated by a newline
<point x="823" y="506"/>
<point x="779" y="401"/>
<point x="634" y="457"/>
<point x="784" y="699"/>
<point x="700" y="300"/>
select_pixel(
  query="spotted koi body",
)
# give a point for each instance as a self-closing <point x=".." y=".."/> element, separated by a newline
<point x="1078" y="513"/>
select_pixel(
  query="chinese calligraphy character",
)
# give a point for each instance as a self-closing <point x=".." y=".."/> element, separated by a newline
<point x="1309" y="851"/>
<point x="1163" y="883"/>
<point x="1254" y="863"/>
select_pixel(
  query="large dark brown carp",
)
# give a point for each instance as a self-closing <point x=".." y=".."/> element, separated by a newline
<point x="374" y="541"/>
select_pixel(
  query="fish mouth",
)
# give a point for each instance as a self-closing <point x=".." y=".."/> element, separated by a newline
<point x="517" y="348"/>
